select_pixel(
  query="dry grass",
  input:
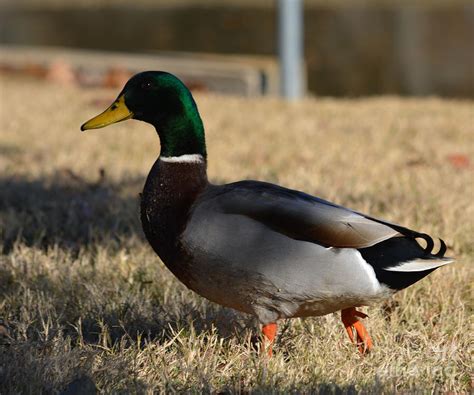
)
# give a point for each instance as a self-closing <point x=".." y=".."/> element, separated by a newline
<point x="84" y="297"/>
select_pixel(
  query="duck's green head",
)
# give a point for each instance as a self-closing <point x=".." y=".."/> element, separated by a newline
<point x="161" y="99"/>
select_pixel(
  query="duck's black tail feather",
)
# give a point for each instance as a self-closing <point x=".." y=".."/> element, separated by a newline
<point x="401" y="261"/>
<point x="429" y="244"/>
<point x="442" y="249"/>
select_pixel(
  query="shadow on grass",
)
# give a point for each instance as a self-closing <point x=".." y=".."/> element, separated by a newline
<point x="67" y="210"/>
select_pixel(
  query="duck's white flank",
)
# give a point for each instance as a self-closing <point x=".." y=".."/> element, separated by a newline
<point x="188" y="158"/>
<point x="369" y="272"/>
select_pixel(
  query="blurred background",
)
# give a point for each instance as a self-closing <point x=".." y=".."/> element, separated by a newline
<point x="351" y="48"/>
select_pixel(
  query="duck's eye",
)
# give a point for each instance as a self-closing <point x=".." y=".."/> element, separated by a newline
<point x="147" y="85"/>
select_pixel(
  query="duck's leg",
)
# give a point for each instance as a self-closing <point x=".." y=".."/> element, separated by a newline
<point x="269" y="333"/>
<point x="351" y="322"/>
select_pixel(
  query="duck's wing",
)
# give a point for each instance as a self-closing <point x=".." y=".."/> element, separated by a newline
<point x="305" y="217"/>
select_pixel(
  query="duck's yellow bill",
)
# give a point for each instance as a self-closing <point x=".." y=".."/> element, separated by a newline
<point x="117" y="112"/>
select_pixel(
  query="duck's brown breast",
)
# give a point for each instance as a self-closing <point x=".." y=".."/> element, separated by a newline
<point x="169" y="193"/>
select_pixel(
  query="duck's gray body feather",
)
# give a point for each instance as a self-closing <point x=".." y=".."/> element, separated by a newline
<point x="245" y="259"/>
<point x="241" y="263"/>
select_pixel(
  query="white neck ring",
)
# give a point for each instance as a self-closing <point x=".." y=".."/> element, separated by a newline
<point x="187" y="158"/>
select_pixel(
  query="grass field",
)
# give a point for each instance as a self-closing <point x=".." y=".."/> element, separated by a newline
<point x="83" y="297"/>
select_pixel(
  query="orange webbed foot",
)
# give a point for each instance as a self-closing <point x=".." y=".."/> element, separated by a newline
<point x="351" y="323"/>
<point x="269" y="334"/>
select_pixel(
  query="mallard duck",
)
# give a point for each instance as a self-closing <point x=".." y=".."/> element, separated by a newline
<point x="257" y="247"/>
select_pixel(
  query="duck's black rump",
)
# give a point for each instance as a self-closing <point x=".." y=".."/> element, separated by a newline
<point x="393" y="253"/>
